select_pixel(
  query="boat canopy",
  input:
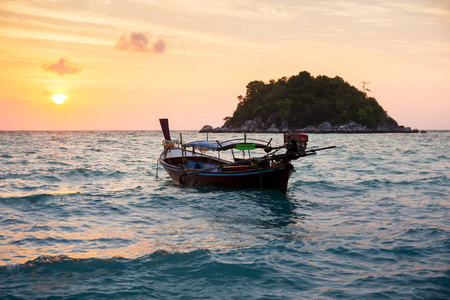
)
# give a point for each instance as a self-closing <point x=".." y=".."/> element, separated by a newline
<point x="219" y="146"/>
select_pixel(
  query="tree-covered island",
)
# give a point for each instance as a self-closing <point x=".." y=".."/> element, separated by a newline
<point x="308" y="104"/>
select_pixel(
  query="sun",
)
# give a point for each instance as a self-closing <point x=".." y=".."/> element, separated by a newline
<point x="59" y="98"/>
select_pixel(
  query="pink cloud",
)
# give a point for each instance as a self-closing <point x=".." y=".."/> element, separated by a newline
<point x="140" y="42"/>
<point x="61" y="67"/>
<point x="159" y="46"/>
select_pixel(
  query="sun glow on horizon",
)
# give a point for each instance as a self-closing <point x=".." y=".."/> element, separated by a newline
<point x="59" y="98"/>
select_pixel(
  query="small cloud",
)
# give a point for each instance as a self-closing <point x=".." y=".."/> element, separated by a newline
<point x="140" y="42"/>
<point x="159" y="46"/>
<point x="61" y="67"/>
<point x="134" y="41"/>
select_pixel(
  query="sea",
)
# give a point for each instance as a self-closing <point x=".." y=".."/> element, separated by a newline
<point x="91" y="215"/>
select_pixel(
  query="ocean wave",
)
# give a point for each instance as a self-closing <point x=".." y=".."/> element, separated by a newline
<point x="83" y="173"/>
<point x="421" y="232"/>
<point x="58" y="163"/>
<point x="404" y="181"/>
<point x="161" y="274"/>
<point x="249" y="273"/>
<point x="59" y="241"/>
<point x="35" y="197"/>
<point x="28" y="198"/>
<point x="12" y="221"/>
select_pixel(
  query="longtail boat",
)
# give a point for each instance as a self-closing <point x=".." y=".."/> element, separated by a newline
<point x="189" y="165"/>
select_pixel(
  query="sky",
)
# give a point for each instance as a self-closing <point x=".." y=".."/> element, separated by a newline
<point x="125" y="64"/>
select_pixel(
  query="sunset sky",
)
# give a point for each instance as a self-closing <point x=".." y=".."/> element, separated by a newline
<point x="125" y="64"/>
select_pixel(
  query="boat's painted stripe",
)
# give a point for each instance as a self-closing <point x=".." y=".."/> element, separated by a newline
<point x="222" y="174"/>
<point x="241" y="174"/>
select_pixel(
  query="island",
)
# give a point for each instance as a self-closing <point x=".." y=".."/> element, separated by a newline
<point x="304" y="103"/>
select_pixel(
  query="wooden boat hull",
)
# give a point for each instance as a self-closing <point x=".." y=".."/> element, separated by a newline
<point x="275" y="178"/>
<point x="269" y="171"/>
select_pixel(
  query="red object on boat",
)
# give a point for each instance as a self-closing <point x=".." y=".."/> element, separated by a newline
<point x="297" y="137"/>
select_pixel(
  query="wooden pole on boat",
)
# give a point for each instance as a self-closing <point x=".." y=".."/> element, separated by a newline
<point x="165" y="128"/>
<point x="324" y="148"/>
<point x="183" y="150"/>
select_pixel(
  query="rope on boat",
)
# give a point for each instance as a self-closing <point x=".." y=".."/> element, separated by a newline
<point x="260" y="179"/>
<point x="157" y="167"/>
<point x="184" y="178"/>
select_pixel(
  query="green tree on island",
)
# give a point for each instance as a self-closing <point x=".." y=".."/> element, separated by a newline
<point x="304" y="100"/>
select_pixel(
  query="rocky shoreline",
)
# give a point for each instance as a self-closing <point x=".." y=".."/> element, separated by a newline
<point x="269" y="126"/>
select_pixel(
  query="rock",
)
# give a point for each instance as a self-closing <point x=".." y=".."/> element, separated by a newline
<point x="247" y="126"/>
<point x="272" y="129"/>
<point x="270" y="126"/>
<point x="353" y="127"/>
<point x="343" y="128"/>
<point x="309" y="129"/>
<point x="384" y="127"/>
<point x="273" y="119"/>
<point x="257" y="125"/>
<point x="206" y="128"/>
<point x="402" y="129"/>
<point x="325" y="127"/>
<point x="285" y="126"/>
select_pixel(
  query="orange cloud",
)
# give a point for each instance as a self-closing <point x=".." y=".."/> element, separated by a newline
<point x="61" y="67"/>
<point x="140" y="42"/>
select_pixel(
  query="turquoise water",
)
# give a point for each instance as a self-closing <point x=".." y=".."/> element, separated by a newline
<point x="82" y="216"/>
